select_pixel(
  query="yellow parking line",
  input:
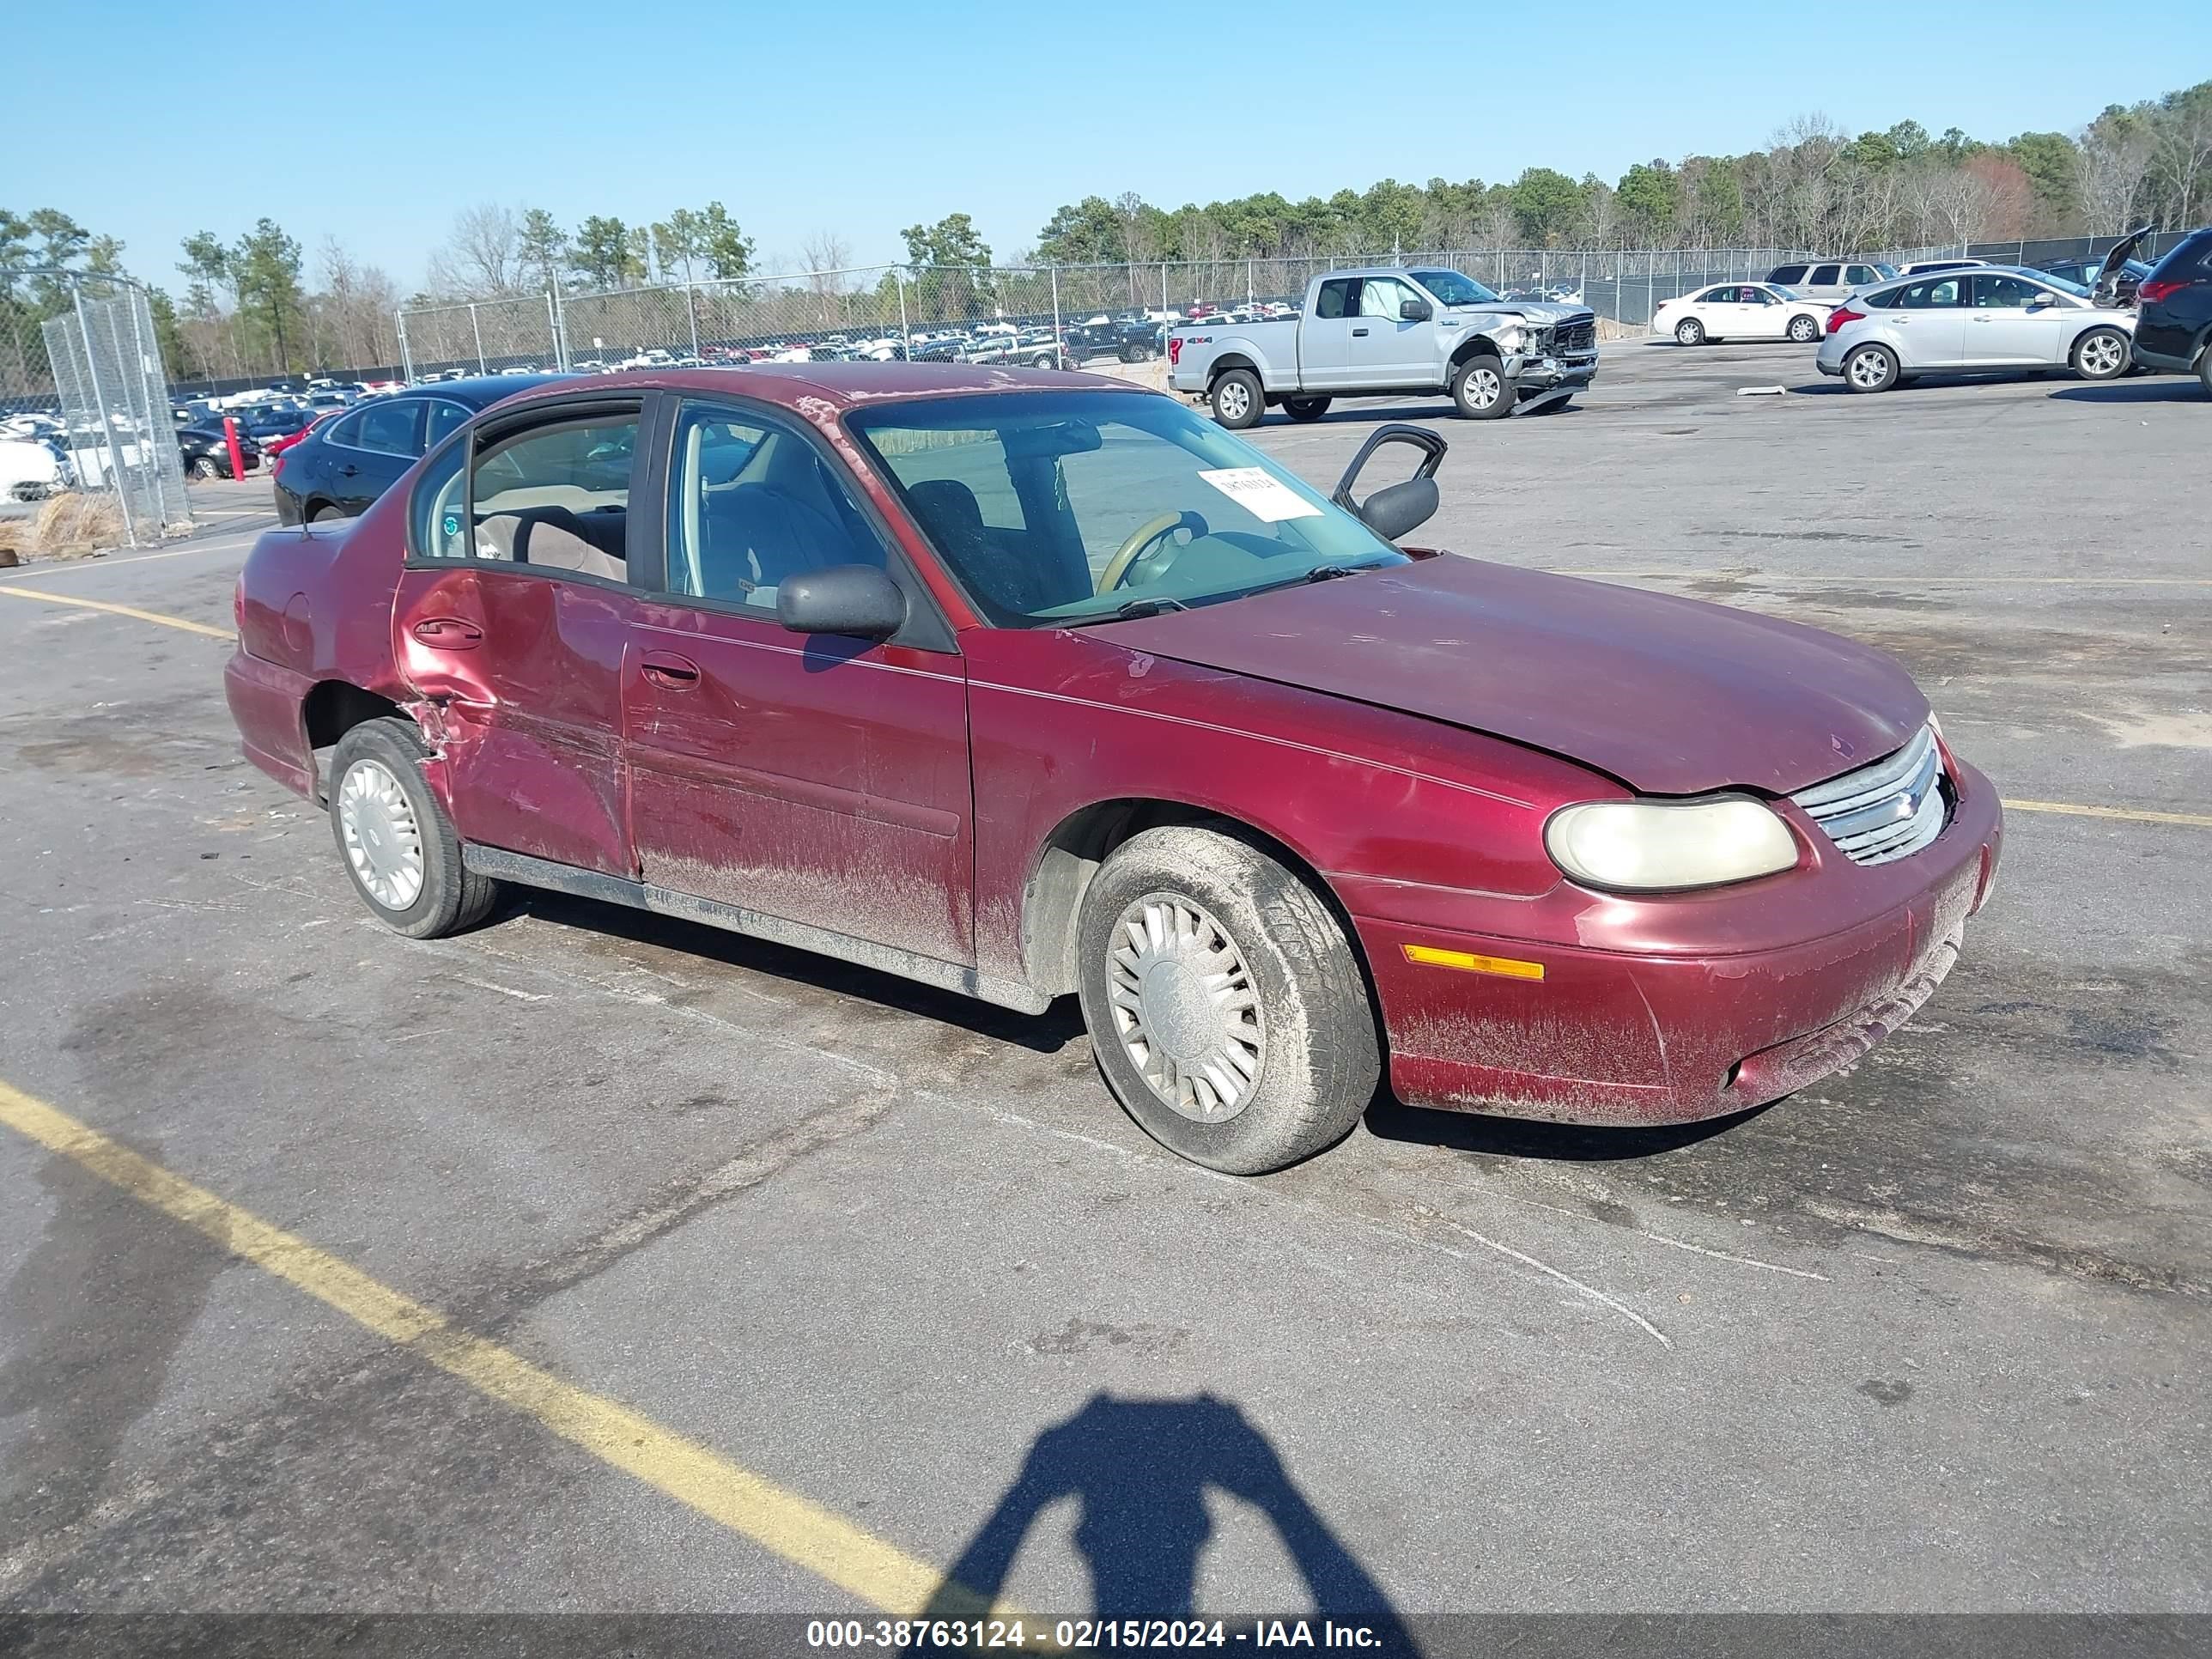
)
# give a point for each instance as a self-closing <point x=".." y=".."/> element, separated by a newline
<point x="132" y="610"/>
<point x="780" y="1521"/>
<point x="2196" y="820"/>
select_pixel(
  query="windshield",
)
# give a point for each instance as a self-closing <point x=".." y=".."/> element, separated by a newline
<point x="1058" y="508"/>
<point x="1453" y="289"/>
<point x="2063" y="284"/>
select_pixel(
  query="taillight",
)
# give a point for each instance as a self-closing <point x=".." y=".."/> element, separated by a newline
<point x="1842" y="314"/>
<point x="238" y="604"/>
<point x="1174" y="349"/>
<point x="276" y="461"/>
<point x="2155" y="290"/>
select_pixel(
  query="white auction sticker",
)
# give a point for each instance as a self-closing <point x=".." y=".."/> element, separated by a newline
<point x="1267" y="499"/>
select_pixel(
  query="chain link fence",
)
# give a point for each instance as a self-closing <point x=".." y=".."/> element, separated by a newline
<point x="1039" y="312"/>
<point x="113" y="398"/>
<point x="1036" y="311"/>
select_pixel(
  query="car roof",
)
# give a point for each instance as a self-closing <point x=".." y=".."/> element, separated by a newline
<point x="482" y="391"/>
<point x="843" y="385"/>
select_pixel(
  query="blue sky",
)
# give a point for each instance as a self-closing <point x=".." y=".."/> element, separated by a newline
<point x="862" y="116"/>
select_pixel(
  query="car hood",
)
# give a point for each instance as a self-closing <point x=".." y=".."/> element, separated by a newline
<point x="1536" y="311"/>
<point x="1671" y="696"/>
<point x="2117" y="255"/>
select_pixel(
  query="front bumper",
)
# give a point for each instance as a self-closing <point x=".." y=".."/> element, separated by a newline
<point x="1607" y="1037"/>
<point x="1532" y="372"/>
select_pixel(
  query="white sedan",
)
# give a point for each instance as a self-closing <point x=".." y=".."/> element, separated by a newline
<point x="1741" y="311"/>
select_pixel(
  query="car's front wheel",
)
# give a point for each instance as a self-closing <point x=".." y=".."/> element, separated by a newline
<point x="398" y="845"/>
<point x="1227" y="1011"/>
<point x="1870" y="368"/>
<point x="1480" y="390"/>
<point x="1804" y="330"/>
<point x="2101" y="355"/>
<point x="1689" y="332"/>
<point x="1237" y="398"/>
<point x="1306" y="409"/>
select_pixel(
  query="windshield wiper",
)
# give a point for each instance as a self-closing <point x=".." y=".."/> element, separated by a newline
<point x="1131" y="610"/>
<point x="1329" y="573"/>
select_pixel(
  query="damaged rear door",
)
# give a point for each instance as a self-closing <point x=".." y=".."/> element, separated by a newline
<point x="510" y="619"/>
<point x="819" y="779"/>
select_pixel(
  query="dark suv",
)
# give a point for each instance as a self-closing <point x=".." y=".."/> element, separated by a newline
<point x="2174" y="311"/>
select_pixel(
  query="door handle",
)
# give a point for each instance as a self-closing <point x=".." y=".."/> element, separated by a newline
<point x="1979" y="318"/>
<point x="348" y="471"/>
<point x="449" y="633"/>
<point x="669" y="670"/>
<point x="1360" y="333"/>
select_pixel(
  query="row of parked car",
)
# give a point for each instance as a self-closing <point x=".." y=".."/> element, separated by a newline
<point x="1879" y="326"/>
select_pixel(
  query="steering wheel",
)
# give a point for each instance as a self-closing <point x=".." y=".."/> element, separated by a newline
<point x="1152" y="530"/>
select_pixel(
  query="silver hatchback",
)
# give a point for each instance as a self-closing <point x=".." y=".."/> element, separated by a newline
<point x="1995" y="317"/>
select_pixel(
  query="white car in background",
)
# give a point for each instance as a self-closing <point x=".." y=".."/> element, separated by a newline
<point x="1991" y="317"/>
<point x="31" y="468"/>
<point x="1741" y="311"/>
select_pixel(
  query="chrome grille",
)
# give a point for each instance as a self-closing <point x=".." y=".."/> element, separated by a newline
<point x="1887" y="810"/>
<point x="1575" y="334"/>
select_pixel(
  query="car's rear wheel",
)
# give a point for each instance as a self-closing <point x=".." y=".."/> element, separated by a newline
<point x="1237" y="398"/>
<point x="1689" y="331"/>
<point x="1227" y="1011"/>
<point x="324" y="513"/>
<point x="205" y="469"/>
<point x="2101" y="355"/>
<point x="2204" y="370"/>
<point x="1803" y="330"/>
<point x="1870" y="368"/>
<point x="398" y="847"/>
<point x="1480" y="390"/>
<point x="1306" y="409"/>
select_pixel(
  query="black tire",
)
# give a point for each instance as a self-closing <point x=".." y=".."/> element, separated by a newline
<point x="1804" y="330"/>
<point x="1878" y="376"/>
<point x="2204" y="370"/>
<point x="1479" y="389"/>
<point x="2110" y="363"/>
<point x="324" y="513"/>
<point x="206" y="470"/>
<point x="1319" y="1061"/>
<point x="1237" y="399"/>
<point x="1306" y="409"/>
<point x="450" y="897"/>
<point x="1689" y="332"/>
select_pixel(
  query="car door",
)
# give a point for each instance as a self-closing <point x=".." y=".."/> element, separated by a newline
<point x="1389" y="348"/>
<point x="818" y="779"/>
<point x="1930" y="320"/>
<point x="1822" y="282"/>
<point x="1325" y="356"/>
<point x="383" y="441"/>
<point x="2012" y="320"/>
<point x="1764" y="318"/>
<point x="513" y="613"/>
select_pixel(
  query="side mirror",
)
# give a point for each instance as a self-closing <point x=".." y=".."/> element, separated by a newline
<point x="857" y="600"/>
<point x="1395" y="509"/>
<point x="1415" y="311"/>
<point x="2040" y="301"/>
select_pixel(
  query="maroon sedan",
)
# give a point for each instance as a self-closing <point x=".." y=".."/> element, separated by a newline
<point x="1029" y="684"/>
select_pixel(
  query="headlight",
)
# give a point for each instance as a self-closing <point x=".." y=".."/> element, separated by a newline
<point x="1658" y="846"/>
<point x="1512" y="337"/>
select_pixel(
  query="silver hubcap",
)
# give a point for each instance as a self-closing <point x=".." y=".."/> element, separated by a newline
<point x="1236" y="402"/>
<point x="1869" y="368"/>
<point x="1185" y="1007"/>
<point x="2101" y="355"/>
<point x="383" y="842"/>
<point x="1687" y="334"/>
<point x="1482" y="387"/>
<point x="1801" y="329"/>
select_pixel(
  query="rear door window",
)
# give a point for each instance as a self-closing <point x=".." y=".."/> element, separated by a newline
<point x="394" y="427"/>
<point x="1717" y="296"/>
<point x="1339" y="299"/>
<point x="1787" y="275"/>
<point x="1825" y="276"/>
<point x="558" y="495"/>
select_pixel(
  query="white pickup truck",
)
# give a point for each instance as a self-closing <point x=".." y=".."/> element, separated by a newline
<point x="1372" y="332"/>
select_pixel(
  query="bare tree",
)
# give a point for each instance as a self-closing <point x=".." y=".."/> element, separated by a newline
<point x="2183" y="158"/>
<point x="483" y="256"/>
<point x="2110" y="166"/>
<point x="826" y="256"/>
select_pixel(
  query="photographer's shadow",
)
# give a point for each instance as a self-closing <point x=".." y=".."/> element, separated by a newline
<point x="1140" y="1469"/>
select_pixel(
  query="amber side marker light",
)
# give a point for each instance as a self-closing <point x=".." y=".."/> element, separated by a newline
<point x="1428" y="955"/>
